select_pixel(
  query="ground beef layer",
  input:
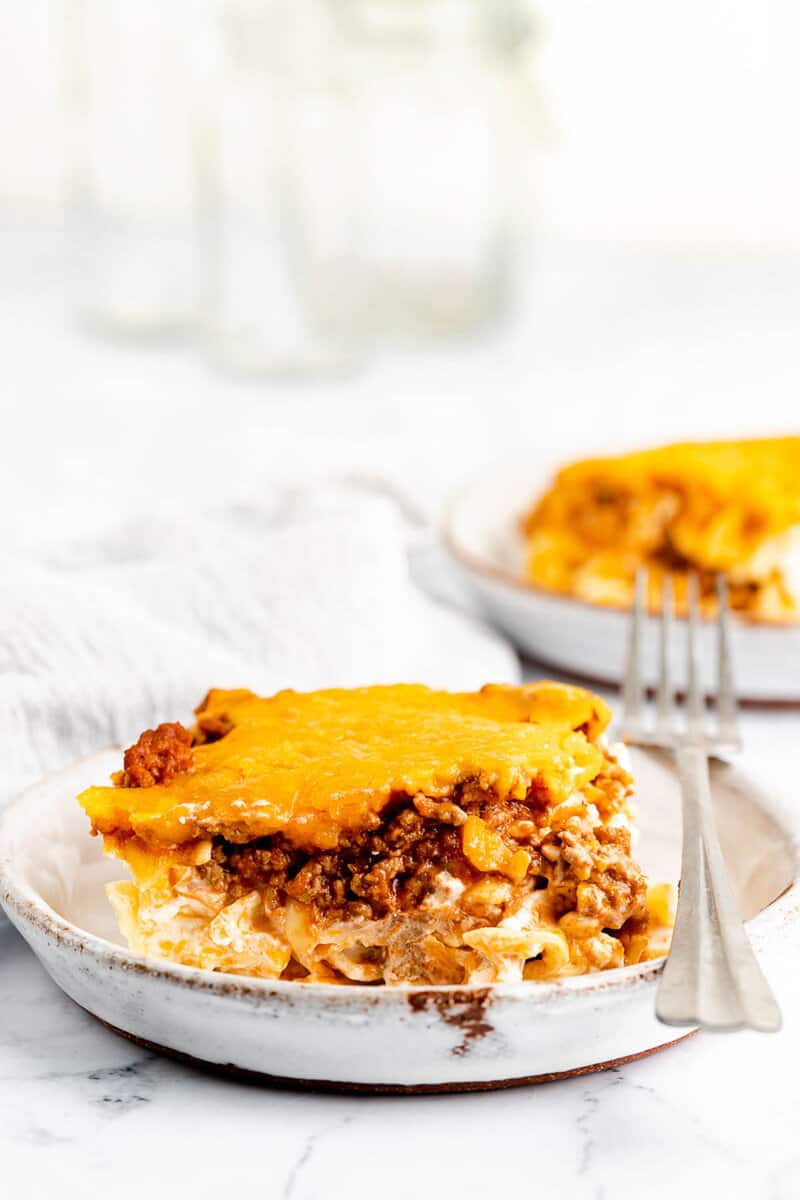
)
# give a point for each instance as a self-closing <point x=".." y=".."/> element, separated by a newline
<point x="399" y="865"/>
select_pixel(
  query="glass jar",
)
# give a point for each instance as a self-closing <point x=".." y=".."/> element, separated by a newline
<point x="276" y="195"/>
<point x="132" y="177"/>
<point x="440" y="91"/>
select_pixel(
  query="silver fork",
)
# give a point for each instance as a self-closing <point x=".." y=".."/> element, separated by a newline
<point x="711" y="977"/>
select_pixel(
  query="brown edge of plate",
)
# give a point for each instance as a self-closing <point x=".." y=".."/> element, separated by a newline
<point x="262" y="1079"/>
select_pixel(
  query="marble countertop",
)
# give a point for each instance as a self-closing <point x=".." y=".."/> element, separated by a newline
<point x="663" y="348"/>
<point x="81" y="1107"/>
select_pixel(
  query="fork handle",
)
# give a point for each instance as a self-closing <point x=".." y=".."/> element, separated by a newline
<point x="711" y="977"/>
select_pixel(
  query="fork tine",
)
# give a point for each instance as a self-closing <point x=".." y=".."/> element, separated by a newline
<point x="695" y="700"/>
<point x="632" y="691"/>
<point x="665" y="700"/>
<point x="727" y="707"/>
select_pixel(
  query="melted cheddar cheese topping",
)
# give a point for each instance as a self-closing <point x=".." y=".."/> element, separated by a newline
<point x="309" y="765"/>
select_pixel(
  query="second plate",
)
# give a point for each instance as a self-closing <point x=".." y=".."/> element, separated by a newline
<point x="588" y="640"/>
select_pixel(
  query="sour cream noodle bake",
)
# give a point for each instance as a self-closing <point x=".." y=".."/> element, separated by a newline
<point x="707" y="507"/>
<point x="391" y="835"/>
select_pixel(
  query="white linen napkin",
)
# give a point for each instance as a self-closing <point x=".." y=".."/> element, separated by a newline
<point x="302" y="589"/>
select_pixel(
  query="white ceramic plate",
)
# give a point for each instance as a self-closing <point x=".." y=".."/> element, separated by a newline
<point x="52" y="876"/>
<point x="588" y="640"/>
